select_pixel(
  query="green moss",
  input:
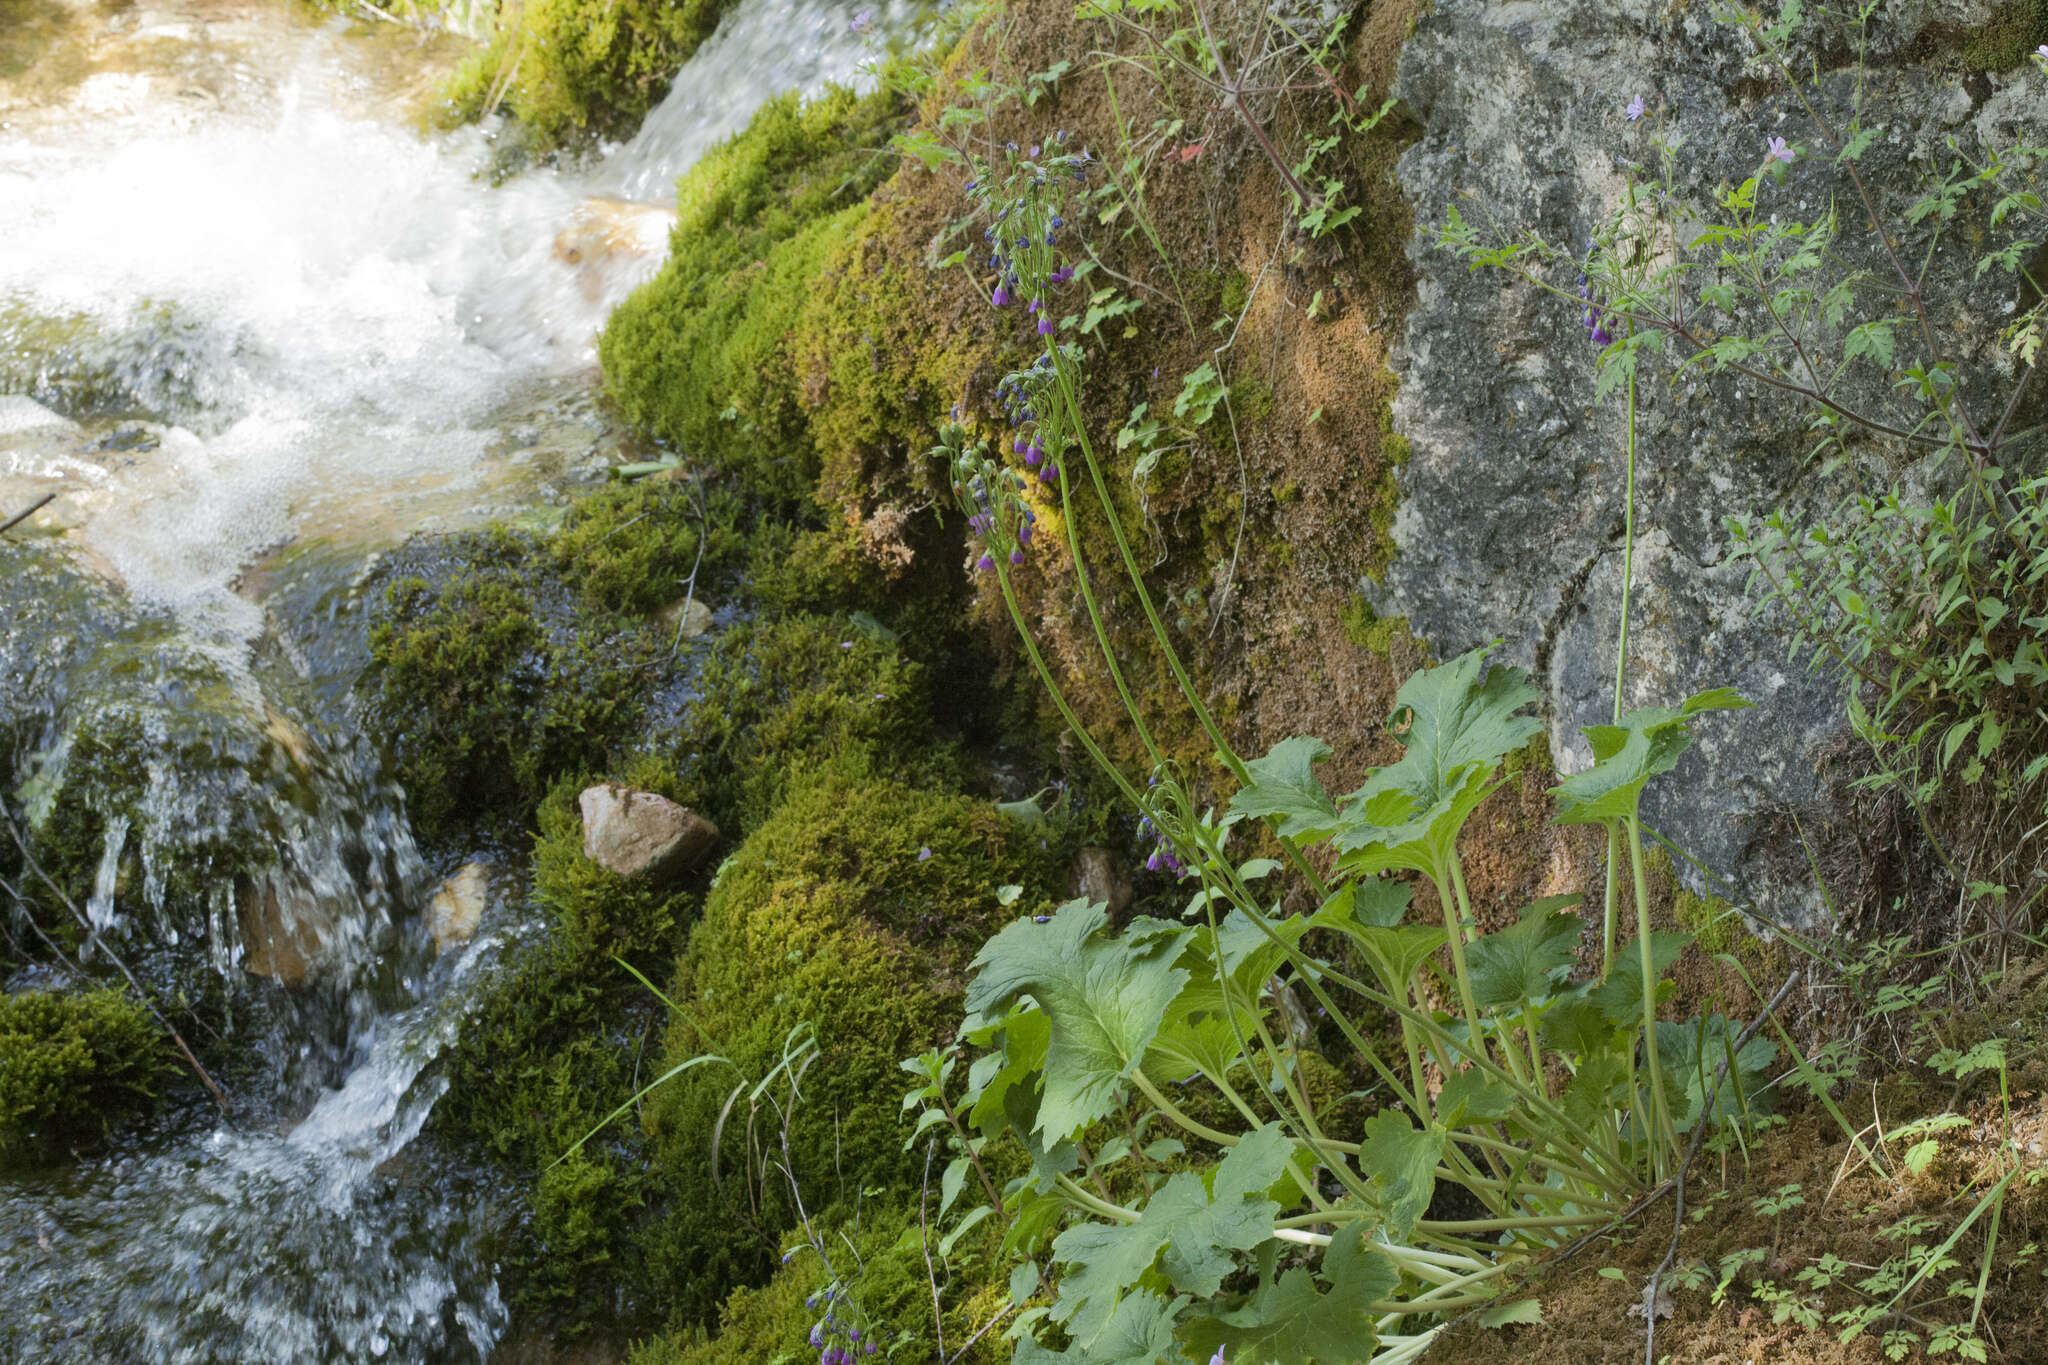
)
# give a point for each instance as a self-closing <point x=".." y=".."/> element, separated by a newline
<point x="2004" y="42"/>
<point x="71" y="1068"/>
<point x="855" y="910"/>
<point x="891" y="1294"/>
<point x="553" y="1049"/>
<point x="784" y="698"/>
<point x="701" y="355"/>
<point x="490" y="686"/>
<point x="568" y="67"/>
<point x="631" y="547"/>
<point x="1251" y="400"/>
<point x="1370" y="631"/>
<point x="874" y="372"/>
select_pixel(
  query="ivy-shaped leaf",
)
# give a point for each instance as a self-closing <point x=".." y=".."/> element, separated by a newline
<point x="1401" y="1161"/>
<point x="1103" y="998"/>
<point x="1620" y="997"/>
<point x="1190" y="1227"/>
<point x="1284" y="785"/>
<point x="1520" y="963"/>
<point x="1286" y="1321"/>
<point x="1456" y="722"/>
<point x="1627" y="754"/>
<point x="1692" y="1054"/>
<point x="1139" y="1331"/>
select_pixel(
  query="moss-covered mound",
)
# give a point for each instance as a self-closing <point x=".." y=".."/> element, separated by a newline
<point x="552" y="1050"/>
<point x="853" y="912"/>
<point x="704" y="355"/>
<point x="788" y="698"/>
<point x="569" y="68"/>
<point x="487" y="684"/>
<point x="73" y="1067"/>
<point x="892" y="1305"/>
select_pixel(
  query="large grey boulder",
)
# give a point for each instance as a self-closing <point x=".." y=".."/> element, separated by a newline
<point x="1511" y="517"/>
<point x="641" y="834"/>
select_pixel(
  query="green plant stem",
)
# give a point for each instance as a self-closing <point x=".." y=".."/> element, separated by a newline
<point x="1059" y="698"/>
<point x="1667" y="1137"/>
<point x="1455" y="912"/>
<point x="1116" y="673"/>
<point x="1613" y="897"/>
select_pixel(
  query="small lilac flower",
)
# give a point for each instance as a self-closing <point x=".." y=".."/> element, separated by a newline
<point x="1049" y="474"/>
<point x="1635" y="111"/>
<point x="985" y="564"/>
<point x="1033" y="453"/>
<point x="924" y="854"/>
<point x="1017" y="446"/>
<point x="863" y="22"/>
<point x="1045" y="327"/>
<point x="1032" y="306"/>
<point x="1001" y="298"/>
<point x="1041" y="919"/>
<point x="853" y="1334"/>
<point x="1218" y="1359"/>
<point x="1778" y="151"/>
<point x="1024" y="534"/>
<point x="817" y="1335"/>
<point x="1016" y="556"/>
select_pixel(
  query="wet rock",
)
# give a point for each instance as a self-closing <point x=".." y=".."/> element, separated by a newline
<point x="1099" y="876"/>
<point x="453" y="913"/>
<point x="688" y="618"/>
<point x="282" y="936"/>
<point x="1510" y="524"/>
<point x="612" y="242"/>
<point x="639" y="834"/>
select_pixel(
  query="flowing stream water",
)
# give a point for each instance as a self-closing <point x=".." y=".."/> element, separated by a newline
<point x="253" y="330"/>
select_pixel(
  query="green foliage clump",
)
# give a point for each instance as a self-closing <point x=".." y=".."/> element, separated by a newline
<point x="490" y="687"/>
<point x="71" y="1067"/>
<point x="854" y="910"/>
<point x="570" y="67"/>
<point x="550" y="1053"/>
<point x="700" y="355"/>
<point x="2004" y="41"/>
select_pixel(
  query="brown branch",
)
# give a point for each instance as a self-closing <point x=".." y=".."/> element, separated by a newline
<point x="19" y="517"/>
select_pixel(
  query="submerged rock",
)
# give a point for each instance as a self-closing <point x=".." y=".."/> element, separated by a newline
<point x="637" y="834"/>
<point x="453" y="913"/>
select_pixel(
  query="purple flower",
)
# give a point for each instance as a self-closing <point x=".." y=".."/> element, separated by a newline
<point x="1033" y="453"/>
<point x="1218" y="1359"/>
<point x="924" y="853"/>
<point x="1001" y="298"/>
<point x="1048" y="474"/>
<point x="1016" y="556"/>
<point x="1041" y="919"/>
<point x="1778" y="151"/>
<point x="985" y="563"/>
<point x="863" y="22"/>
<point x="1045" y="327"/>
<point x="1024" y="534"/>
<point x="1635" y="111"/>
<point x="817" y="1335"/>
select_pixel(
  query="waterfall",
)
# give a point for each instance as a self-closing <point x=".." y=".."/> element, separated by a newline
<point x="246" y="329"/>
